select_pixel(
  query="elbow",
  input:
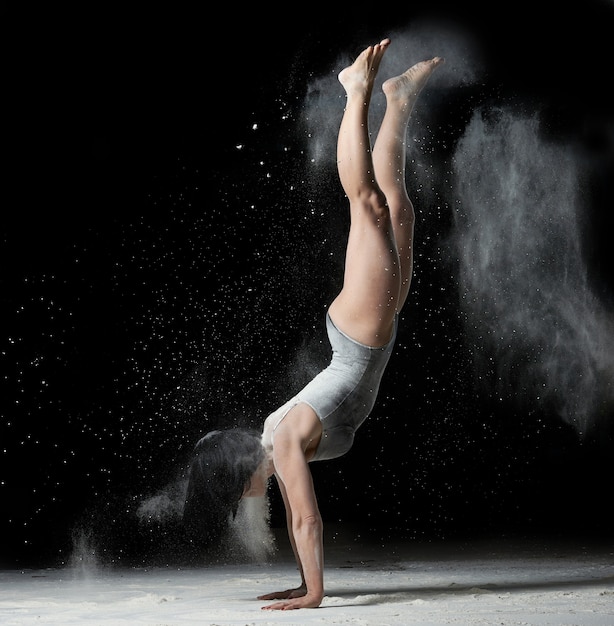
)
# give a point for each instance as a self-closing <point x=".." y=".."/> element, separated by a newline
<point x="311" y="524"/>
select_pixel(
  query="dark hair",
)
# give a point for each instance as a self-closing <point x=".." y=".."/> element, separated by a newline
<point x="222" y="465"/>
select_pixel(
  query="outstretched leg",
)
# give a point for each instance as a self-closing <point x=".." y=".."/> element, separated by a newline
<point x="365" y="307"/>
<point x="378" y="262"/>
<point x="389" y="156"/>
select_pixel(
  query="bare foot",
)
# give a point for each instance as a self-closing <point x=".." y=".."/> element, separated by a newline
<point x="408" y="85"/>
<point x="359" y="76"/>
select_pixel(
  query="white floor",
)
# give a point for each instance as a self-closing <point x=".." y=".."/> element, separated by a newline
<point x="466" y="584"/>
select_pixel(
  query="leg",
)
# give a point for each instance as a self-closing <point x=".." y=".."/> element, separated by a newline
<point x="365" y="307"/>
<point x="379" y="253"/>
<point x="389" y="161"/>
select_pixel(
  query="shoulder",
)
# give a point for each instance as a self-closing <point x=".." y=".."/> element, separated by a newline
<point x="299" y="429"/>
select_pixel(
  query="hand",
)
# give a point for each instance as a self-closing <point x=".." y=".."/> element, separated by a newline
<point x="298" y="592"/>
<point x="297" y="599"/>
<point x="301" y="602"/>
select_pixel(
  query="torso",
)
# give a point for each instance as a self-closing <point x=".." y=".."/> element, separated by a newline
<point x="324" y="416"/>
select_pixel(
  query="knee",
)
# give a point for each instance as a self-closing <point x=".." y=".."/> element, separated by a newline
<point x="373" y="205"/>
<point x="402" y="212"/>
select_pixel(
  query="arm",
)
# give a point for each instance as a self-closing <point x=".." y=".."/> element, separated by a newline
<point x="301" y="590"/>
<point x="304" y="525"/>
<point x="284" y="495"/>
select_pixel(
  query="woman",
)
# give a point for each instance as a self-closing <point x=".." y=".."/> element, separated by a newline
<point x="319" y="422"/>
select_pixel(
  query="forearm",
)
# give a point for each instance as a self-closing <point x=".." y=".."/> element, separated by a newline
<point x="295" y="549"/>
<point x="309" y="548"/>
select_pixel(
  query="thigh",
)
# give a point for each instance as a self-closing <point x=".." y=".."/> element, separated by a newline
<point x="366" y="306"/>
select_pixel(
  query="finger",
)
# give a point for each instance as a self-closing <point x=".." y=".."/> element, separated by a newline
<point x="278" y="606"/>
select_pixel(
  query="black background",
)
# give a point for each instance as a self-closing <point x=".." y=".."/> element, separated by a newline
<point x="158" y="282"/>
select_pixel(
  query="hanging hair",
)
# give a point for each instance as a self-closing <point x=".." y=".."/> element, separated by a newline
<point x="221" y="469"/>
